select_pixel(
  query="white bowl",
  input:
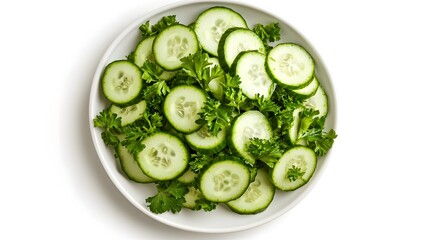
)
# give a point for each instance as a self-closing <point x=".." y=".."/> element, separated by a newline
<point x="222" y="219"/>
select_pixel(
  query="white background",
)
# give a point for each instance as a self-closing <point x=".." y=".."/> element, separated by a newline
<point x="376" y="185"/>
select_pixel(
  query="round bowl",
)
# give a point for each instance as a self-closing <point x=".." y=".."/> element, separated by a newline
<point x="222" y="219"/>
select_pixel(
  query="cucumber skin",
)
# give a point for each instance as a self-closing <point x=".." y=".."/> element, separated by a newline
<point x="273" y="188"/>
<point x="136" y="99"/>
<point x="126" y="174"/>
<point x="221" y="52"/>
<point x="291" y="87"/>
<point x="213" y="150"/>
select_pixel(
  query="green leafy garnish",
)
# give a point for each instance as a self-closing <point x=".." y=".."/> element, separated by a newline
<point x="294" y="173"/>
<point x="198" y="67"/>
<point x="170" y="197"/>
<point x="268" y="33"/>
<point x="147" y="30"/>
<point x="216" y="115"/>
<point x="111" y="124"/>
<point x="268" y="151"/>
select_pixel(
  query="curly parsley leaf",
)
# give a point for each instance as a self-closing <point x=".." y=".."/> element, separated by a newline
<point x="170" y="197"/>
<point x="322" y="145"/>
<point x="198" y="67"/>
<point x="266" y="150"/>
<point x="147" y="30"/>
<point x="268" y="33"/>
<point x="216" y="115"/>
<point x="294" y="173"/>
<point x="111" y="124"/>
<point x="199" y="161"/>
<point x="139" y="130"/>
<point x="233" y="94"/>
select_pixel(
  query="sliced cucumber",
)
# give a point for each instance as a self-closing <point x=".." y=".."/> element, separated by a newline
<point x="191" y="197"/>
<point x="294" y="128"/>
<point x="319" y="101"/>
<point x="121" y="82"/>
<point x="308" y="90"/>
<point x="212" y="23"/>
<point x="215" y="85"/>
<point x="250" y="124"/>
<point x="181" y="107"/>
<point x="224" y="181"/>
<point x="250" y="66"/>
<point x="188" y="177"/>
<point x="172" y="44"/>
<point x="143" y="51"/>
<point x="290" y="65"/>
<point x="164" y="157"/>
<point x="294" y="169"/>
<point x="237" y="40"/>
<point x="130" y="166"/>
<point x="130" y="113"/>
<point x="257" y="197"/>
<point x="203" y="141"/>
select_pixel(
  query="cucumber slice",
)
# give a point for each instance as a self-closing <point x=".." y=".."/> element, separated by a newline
<point x="212" y="23"/>
<point x="130" y="166"/>
<point x="143" y="53"/>
<point x="319" y="101"/>
<point x="294" y="128"/>
<point x="130" y="113"/>
<point x="181" y="107"/>
<point x="294" y="169"/>
<point x="121" y="82"/>
<point x="250" y="124"/>
<point x="188" y="177"/>
<point x="191" y="197"/>
<point x="290" y="65"/>
<point x="237" y="40"/>
<point x="164" y="157"/>
<point x="257" y="197"/>
<point x="224" y="181"/>
<point x="250" y="66"/>
<point x="215" y="85"/>
<point x="172" y="44"/>
<point x="203" y="141"/>
<point x="308" y="90"/>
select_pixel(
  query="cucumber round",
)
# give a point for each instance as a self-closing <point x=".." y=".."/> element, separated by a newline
<point x="257" y="197"/>
<point x="290" y="65"/>
<point x="307" y="91"/>
<point x="237" y="40"/>
<point x="172" y="44"/>
<point x="212" y="23"/>
<point x="121" y="82"/>
<point x="298" y="159"/>
<point x="319" y="101"/>
<point x="164" y="157"/>
<point x="203" y="141"/>
<point x="224" y="181"/>
<point x="130" y="166"/>
<point x="130" y="113"/>
<point x="250" y="66"/>
<point x="181" y="107"/>
<point x="250" y="124"/>
<point x="143" y="51"/>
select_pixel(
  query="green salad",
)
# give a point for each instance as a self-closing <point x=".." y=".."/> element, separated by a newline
<point x="215" y="112"/>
